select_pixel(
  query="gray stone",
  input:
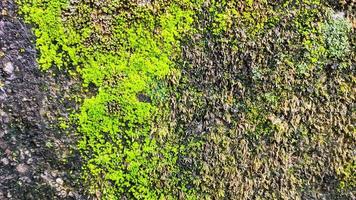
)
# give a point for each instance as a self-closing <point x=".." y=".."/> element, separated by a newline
<point x="5" y="161"/>
<point x="22" y="168"/>
<point x="2" y="94"/>
<point x="3" y="145"/>
<point x="29" y="161"/>
<point x="59" y="181"/>
<point x="70" y="194"/>
<point x="9" y="68"/>
<point x="338" y="15"/>
<point x="54" y="173"/>
<point x="63" y="193"/>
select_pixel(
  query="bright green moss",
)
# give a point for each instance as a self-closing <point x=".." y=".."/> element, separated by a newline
<point x="124" y="54"/>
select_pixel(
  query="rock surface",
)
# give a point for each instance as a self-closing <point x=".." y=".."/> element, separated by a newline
<point x="31" y="146"/>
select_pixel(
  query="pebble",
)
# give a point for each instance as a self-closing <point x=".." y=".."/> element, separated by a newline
<point x="63" y="193"/>
<point x="5" y="161"/>
<point x="338" y="15"/>
<point x="54" y="173"/>
<point x="2" y="94"/>
<point x="22" y="168"/>
<point x="29" y="161"/>
<point x="59" y="181"/>
<point x="9" y="68"/>
<point x="3" y="145"/>
<point x="70" y="194"/>
<point x="8" y="152"/>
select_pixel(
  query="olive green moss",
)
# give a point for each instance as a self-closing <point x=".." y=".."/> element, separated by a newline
<point x="264" y="97"/>
<point x="206" y="99"/>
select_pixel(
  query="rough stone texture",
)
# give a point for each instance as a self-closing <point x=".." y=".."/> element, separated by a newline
<point x="32" y="150"/>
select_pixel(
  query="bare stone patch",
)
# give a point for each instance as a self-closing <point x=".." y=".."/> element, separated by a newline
<point x="9" y="68"/>
<point x="22" y="168"/>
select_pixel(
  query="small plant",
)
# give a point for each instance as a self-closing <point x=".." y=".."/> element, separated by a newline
<point x="336" y="31"/>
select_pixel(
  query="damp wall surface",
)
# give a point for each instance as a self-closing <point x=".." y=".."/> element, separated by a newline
<point x="32" y="148"/>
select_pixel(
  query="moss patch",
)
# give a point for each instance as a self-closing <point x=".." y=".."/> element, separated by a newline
<point x="206" y="99"/>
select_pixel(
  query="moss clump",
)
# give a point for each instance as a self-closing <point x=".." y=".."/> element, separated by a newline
<point x="124" y="49"/>
<point x="336" y="31"/>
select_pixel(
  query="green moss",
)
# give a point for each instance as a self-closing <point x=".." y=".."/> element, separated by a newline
<point x="262" y="57"/>
<point x="250" y="15"/>
<point x="348" y="176"/>
<point x="335" y="32"/>
<point x="124" y="54"/>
